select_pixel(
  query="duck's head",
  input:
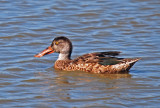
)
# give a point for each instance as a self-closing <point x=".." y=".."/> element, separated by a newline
<point x="60" y="45"/>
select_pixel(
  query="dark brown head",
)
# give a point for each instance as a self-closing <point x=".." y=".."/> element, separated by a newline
<point x="60" y="45"/>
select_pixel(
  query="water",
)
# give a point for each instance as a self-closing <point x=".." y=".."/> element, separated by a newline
<point x="129" y="26"/>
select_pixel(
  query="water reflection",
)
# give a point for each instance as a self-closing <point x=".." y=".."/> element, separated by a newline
<point x="80" y="86"/>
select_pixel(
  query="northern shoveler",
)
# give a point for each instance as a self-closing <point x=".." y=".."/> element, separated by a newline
<point x="97" y="62"/>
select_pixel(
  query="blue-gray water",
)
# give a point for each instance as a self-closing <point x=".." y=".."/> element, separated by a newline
<point x="28" y="26"/>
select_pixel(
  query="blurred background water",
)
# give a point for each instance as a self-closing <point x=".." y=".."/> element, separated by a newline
<point x="29" y="26"/>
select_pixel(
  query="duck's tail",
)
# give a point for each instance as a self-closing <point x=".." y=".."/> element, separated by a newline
<point x="124" y="66"/>
<point x="131" y="62"/>
<point x="128" y="63"/>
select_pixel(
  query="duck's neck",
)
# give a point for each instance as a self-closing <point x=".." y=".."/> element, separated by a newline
<point x="64" y="56"/>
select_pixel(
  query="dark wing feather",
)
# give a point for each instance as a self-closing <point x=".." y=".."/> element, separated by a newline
<point x="104" y="58"/>
<point x="103" y="54"/>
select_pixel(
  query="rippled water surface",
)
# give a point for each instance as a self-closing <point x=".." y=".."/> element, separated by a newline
<point x="28" y="26"/>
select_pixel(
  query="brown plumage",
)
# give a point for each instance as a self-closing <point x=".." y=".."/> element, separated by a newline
<point x="97" y="62"/>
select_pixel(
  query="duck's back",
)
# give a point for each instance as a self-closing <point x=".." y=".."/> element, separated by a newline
<point x="97" y="63"/>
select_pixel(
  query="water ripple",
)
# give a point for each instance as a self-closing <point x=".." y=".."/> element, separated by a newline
<point x="129" y="26"/>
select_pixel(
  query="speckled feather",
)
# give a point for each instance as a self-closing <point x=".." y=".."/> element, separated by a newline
<point x="94" y="63"/>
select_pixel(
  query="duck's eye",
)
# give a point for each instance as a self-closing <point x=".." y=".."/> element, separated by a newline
<point x="56" y="43"/>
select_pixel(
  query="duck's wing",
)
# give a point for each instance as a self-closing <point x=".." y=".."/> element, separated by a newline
<point x="104" y="58"/>
<point x="104" y="54"/>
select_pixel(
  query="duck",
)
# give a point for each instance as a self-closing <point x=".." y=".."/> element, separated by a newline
<point x="96" y="62"/>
